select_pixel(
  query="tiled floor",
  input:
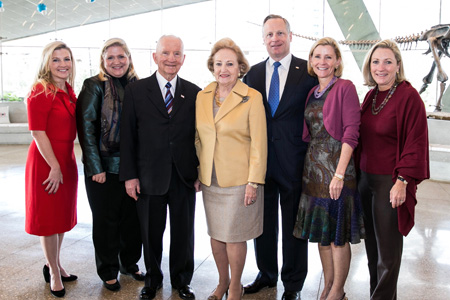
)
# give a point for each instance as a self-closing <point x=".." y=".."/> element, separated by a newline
<point x="424" y="274"/>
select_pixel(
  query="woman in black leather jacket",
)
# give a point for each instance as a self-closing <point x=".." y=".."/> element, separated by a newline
<point x="115" y="230"/>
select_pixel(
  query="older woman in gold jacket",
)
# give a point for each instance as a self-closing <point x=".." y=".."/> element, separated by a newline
<point x="231" y="146"/>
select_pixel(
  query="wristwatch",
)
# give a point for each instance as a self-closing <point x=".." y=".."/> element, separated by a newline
<point x="253" y="185"/>
<point x="402" y="179"/>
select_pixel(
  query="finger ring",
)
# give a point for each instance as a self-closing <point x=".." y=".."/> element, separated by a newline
<point x="253" y="201"/>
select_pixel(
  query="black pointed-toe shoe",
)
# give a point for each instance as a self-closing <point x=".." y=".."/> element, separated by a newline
<point x="46" y="272"/>
<point x="57" y="294"/>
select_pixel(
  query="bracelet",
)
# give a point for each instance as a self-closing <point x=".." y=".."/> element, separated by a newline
<point x="402" y="179"/>
<point x="253" y="185"/>
<point x="339" y="176"/>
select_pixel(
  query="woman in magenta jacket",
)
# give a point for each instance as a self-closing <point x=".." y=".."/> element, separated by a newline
<point x="330" y="211"/>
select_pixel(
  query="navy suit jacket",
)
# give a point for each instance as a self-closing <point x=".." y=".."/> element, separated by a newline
<point x="151" y="142"/>
<point x="285" y="128"/>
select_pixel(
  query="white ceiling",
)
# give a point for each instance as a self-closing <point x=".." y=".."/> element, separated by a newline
<point x="21" y="18"/>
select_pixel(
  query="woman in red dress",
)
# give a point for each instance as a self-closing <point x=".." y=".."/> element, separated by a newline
<point x="51" y="175"/>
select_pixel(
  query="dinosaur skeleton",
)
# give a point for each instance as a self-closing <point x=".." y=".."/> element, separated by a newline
<point x="438" y="39"/>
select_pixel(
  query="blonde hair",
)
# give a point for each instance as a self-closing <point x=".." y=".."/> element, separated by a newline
<point x="103" y="75"/>
<point x="386" y="44"/>
<point x="227" y="43"/>
<point x="44" y="75"/>
<point x="327" y="41"/>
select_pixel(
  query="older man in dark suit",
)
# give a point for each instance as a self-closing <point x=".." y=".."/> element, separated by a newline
<point x="284" y="82"/>
<point x="159" y="165"/>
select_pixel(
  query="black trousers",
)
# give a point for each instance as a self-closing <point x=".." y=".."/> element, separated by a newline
<point x="280" y="191"/>
<point x="115" y="227"/>
<point x="152" y="211"/>
<point x="384" y="243"/>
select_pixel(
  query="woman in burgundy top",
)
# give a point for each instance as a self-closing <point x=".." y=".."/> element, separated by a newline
<point x="393" y="156"/>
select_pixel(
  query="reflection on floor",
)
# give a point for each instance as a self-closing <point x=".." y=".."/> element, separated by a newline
<point x="424" y="274"/>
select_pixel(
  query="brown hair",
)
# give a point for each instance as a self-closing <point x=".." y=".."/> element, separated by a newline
<point x="272" y="16"/>
<point x="227" y="43"/>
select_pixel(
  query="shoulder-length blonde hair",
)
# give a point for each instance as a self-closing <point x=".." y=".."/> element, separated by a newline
<point x="327" y="41"/>
<point x="44" y="75"/>
<point x="227" y="43"/>
<point x="386" y="44"/>
<point x="103" y="75"/>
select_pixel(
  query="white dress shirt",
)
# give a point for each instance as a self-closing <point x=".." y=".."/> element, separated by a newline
<point x="162" y="84"/>
<point x="283" y="71"/>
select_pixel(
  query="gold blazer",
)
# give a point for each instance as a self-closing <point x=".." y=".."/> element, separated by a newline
<point x="235" y="140"/>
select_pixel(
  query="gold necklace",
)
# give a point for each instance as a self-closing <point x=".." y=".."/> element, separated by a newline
<point x="376" y="111"/>
<point x="216" y="97"/>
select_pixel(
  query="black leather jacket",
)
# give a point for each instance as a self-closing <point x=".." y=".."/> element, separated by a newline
<point x="89" y="106"/>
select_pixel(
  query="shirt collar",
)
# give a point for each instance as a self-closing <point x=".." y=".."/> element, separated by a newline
<point x="162" y="82"/>
<point x="285" y="62"/>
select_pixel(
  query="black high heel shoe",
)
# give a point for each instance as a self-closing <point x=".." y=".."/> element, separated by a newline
<point x="46" y="272"/>
<point x="57" y="294"/>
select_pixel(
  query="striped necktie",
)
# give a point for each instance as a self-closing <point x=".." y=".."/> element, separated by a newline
<point x="168" y="100"/>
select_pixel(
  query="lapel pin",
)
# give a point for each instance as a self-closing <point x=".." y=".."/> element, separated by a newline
<point x="297" y="67"/>
<point x="245" y="99"/>
<point x="182" y="96"/>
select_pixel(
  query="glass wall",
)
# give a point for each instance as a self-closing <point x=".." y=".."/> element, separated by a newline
<point x="201" y="24"/>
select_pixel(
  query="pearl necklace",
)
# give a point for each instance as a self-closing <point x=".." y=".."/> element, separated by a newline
<point x="318" y="94"/>
<point x="375" y="111"/>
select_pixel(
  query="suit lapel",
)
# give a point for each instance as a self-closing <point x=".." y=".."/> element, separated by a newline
<point x="260" y="83"/>
<point x="155" y="96"/>
<point x="233" y="99"/>
<point x="294" y="76"/>
<point x="178" y="98"/>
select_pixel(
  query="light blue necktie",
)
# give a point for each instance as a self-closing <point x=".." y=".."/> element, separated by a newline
<point x="274" y="89"/>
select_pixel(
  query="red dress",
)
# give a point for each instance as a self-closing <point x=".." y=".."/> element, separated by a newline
<point x="48" y="214"/>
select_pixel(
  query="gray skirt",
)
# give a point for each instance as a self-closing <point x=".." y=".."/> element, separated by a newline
<point x="227" y="218"/>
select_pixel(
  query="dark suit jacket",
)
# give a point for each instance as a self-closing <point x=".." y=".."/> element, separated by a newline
<point x="152" y="142"/>
<point x="285" y="128"/>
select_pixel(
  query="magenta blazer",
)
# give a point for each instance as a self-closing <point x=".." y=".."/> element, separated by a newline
<point x="341" y="113"/>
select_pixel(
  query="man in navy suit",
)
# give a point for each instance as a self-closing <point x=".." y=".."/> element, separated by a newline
<point x="159" y="165"/>
<point x="286" y="152"/>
